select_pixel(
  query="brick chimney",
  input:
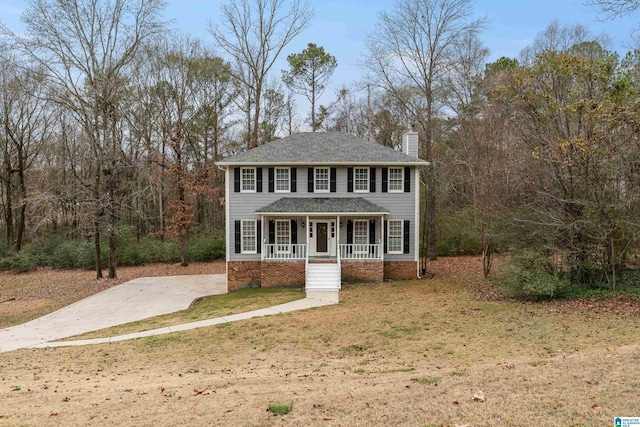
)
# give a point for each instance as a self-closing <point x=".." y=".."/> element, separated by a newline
<point x="410" y="142"/>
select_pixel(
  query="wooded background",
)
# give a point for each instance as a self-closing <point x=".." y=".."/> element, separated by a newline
<point x="111" y="123"/>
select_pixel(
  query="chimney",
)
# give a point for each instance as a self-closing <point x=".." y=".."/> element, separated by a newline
<point x="410" y="142"/>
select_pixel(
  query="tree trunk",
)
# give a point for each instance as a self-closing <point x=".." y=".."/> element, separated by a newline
<point x="8" y="211"/>
<point x="96" y="222"/>
<point x="21" y="225"/>
<point x="253" y="142"/>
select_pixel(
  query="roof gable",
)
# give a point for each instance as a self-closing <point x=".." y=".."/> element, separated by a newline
<point x="322" y="148"/>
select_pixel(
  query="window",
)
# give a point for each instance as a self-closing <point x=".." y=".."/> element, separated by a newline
<point x="361" y="176"/>
<point x="283" y="236"/>
<point x="394" y="236"/>
<point x="249" y="237"/>
<point x="248" y="180"/>
<point x="282" y="180"/>
<point x="396" y="180"/>
<point x="321" y="180"/>
<point x="361" y="232"/>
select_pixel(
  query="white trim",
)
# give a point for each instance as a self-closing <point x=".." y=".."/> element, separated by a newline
<point x="346" y="163"/>
<point x="389" y="190"/>
<point x="279" y="245"/>
<point x="315" y="180"/>
<point x="401" y="251"/>
<point x="255" y="180"/>
<point x="416" y="227"/>
<point x="255" y="230"/>
<point x="366" y="221"/>
<point x="275" y="179"/>
<point x="368" y="171"/>
<point x="322" y="214"/>
<point x="226" y="225"/>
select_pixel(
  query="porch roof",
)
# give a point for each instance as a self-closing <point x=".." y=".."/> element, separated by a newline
<point x="322" y="205"/>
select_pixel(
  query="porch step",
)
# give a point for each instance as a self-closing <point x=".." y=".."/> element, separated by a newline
<point x="323" y="277"/>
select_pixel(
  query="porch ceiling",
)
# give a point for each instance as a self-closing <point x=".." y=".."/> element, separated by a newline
<point x="322" y="205"/>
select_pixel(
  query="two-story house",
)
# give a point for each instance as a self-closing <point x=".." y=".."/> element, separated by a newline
<point x="316" y="209"/>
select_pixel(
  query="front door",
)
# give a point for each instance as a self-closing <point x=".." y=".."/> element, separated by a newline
<point x="321" y="237"/>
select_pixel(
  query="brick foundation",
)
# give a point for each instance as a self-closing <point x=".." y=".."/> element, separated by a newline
<point x="242" y="274"/>
<point x="400" y="270"/>
<point x="282" y="273"/>
<point x="362" y="271"/>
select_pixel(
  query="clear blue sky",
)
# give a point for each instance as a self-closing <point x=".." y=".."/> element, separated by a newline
<point x="340" y="26"/>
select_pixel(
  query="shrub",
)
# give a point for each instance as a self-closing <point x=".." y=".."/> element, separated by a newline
<point x="533" y="285"/>
<point x="281" y="409"/>
<point x="129" y="251"/>
<point x="20" y="262"/>
<point x="206" y="248"/>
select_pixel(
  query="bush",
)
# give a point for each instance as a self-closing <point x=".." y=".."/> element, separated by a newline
<point x="20" y="262"/>
<point x="533" y="285"/>
<point x="206" y="248"/>
<point x="129" y="252"/>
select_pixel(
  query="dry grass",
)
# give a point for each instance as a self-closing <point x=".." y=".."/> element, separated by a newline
<point x="25" y="296"/>
<point x="403" y="353"/>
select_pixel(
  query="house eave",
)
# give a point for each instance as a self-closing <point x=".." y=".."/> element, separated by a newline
<point x="327" y="214"/>
<point x="420" y="163"/>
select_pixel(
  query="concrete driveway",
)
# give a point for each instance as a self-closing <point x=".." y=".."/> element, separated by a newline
<point x="134" y="300"/>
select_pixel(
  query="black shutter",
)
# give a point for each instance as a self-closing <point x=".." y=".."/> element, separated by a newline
<point x="272" y="232"/>
<point x="238" y="237"/>
<point x="407" y="180"/>
<point x="259" y="236"/>
<point x="406" y="238"/>
<point x="372" y="180"/>
<point x="294" y="179"/>
<point x="384" y="238"/>
<point x="333" y="180"/>
<point x="349" y="232"/>
<point x="385" y="179"/>
<point x="310" y="181"/>
<point x="259" y="180"/>
<point x="294" y="232"/>
<point x="350" y="180"/>
<point x="236" y="180"/>
<point x="372" y="232"/>
<point x="271" y="180"/>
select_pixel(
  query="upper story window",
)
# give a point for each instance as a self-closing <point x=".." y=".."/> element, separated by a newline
<point x="248" y="180"/>
<point x="321" y="182"/>
<point x="396" y="180"/>
<point x="283" y="183"/>
<point x="361" y="180"/>
<point x="394" y="236"/>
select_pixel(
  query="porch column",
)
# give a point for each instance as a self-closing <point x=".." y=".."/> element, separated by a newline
<point x="306" y="234"/>
<point x="338" y="236"/>
<point x="262" y="248"/>
<point x="382" y="237"/>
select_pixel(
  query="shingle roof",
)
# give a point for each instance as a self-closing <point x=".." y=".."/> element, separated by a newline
<point x="321" y="148"/>
<point x="322" y="205"/>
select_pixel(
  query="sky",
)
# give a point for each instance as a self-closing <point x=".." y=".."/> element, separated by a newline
<point x="341" y="27"/>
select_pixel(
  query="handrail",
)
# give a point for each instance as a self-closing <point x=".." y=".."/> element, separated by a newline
<point x="275" y="251"/>
<point x="360" y="251"/>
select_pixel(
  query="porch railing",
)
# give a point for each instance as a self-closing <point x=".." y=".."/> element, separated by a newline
<point x="298" y="251"/>
<point x="356" y="251"/>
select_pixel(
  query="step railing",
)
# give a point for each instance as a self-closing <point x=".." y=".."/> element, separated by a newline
<point x="274" y="251"/>
<point x="360" y="251"/>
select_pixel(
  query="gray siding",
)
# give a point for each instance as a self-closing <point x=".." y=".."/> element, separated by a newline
<point x="400" y="205"/>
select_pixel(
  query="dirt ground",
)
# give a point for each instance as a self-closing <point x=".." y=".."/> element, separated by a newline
<point x="409" y="353"/>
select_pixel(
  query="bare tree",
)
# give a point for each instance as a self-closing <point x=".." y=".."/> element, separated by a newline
<point x="254" y="33"/>
<point x="410" y="56"/>
<point x="84" y="48"/>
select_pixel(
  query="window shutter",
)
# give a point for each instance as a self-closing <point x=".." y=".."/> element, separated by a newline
<point x="350" y="180"/>
<point x="310" y="182"/>
<point x="372" y="180"/>
<point x="294" y="232"/>
<point x="259" y="236"/>
<point x="407" y="180"/>
<point x="333" y="180"/>
<point x="385" y="179"/>
<point x="349" y="232"/>
<point x="384" y="239"/>
<point x="406" y="239"/>
<point x="272" y="232"/>
<point x="372" y="232"/>
<point x="259" y="180"/>
<point x="271" y="180"/>
<point x="294" y="179"/>
<point x="238" y="236"/>
<point x="236" y="180"/>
